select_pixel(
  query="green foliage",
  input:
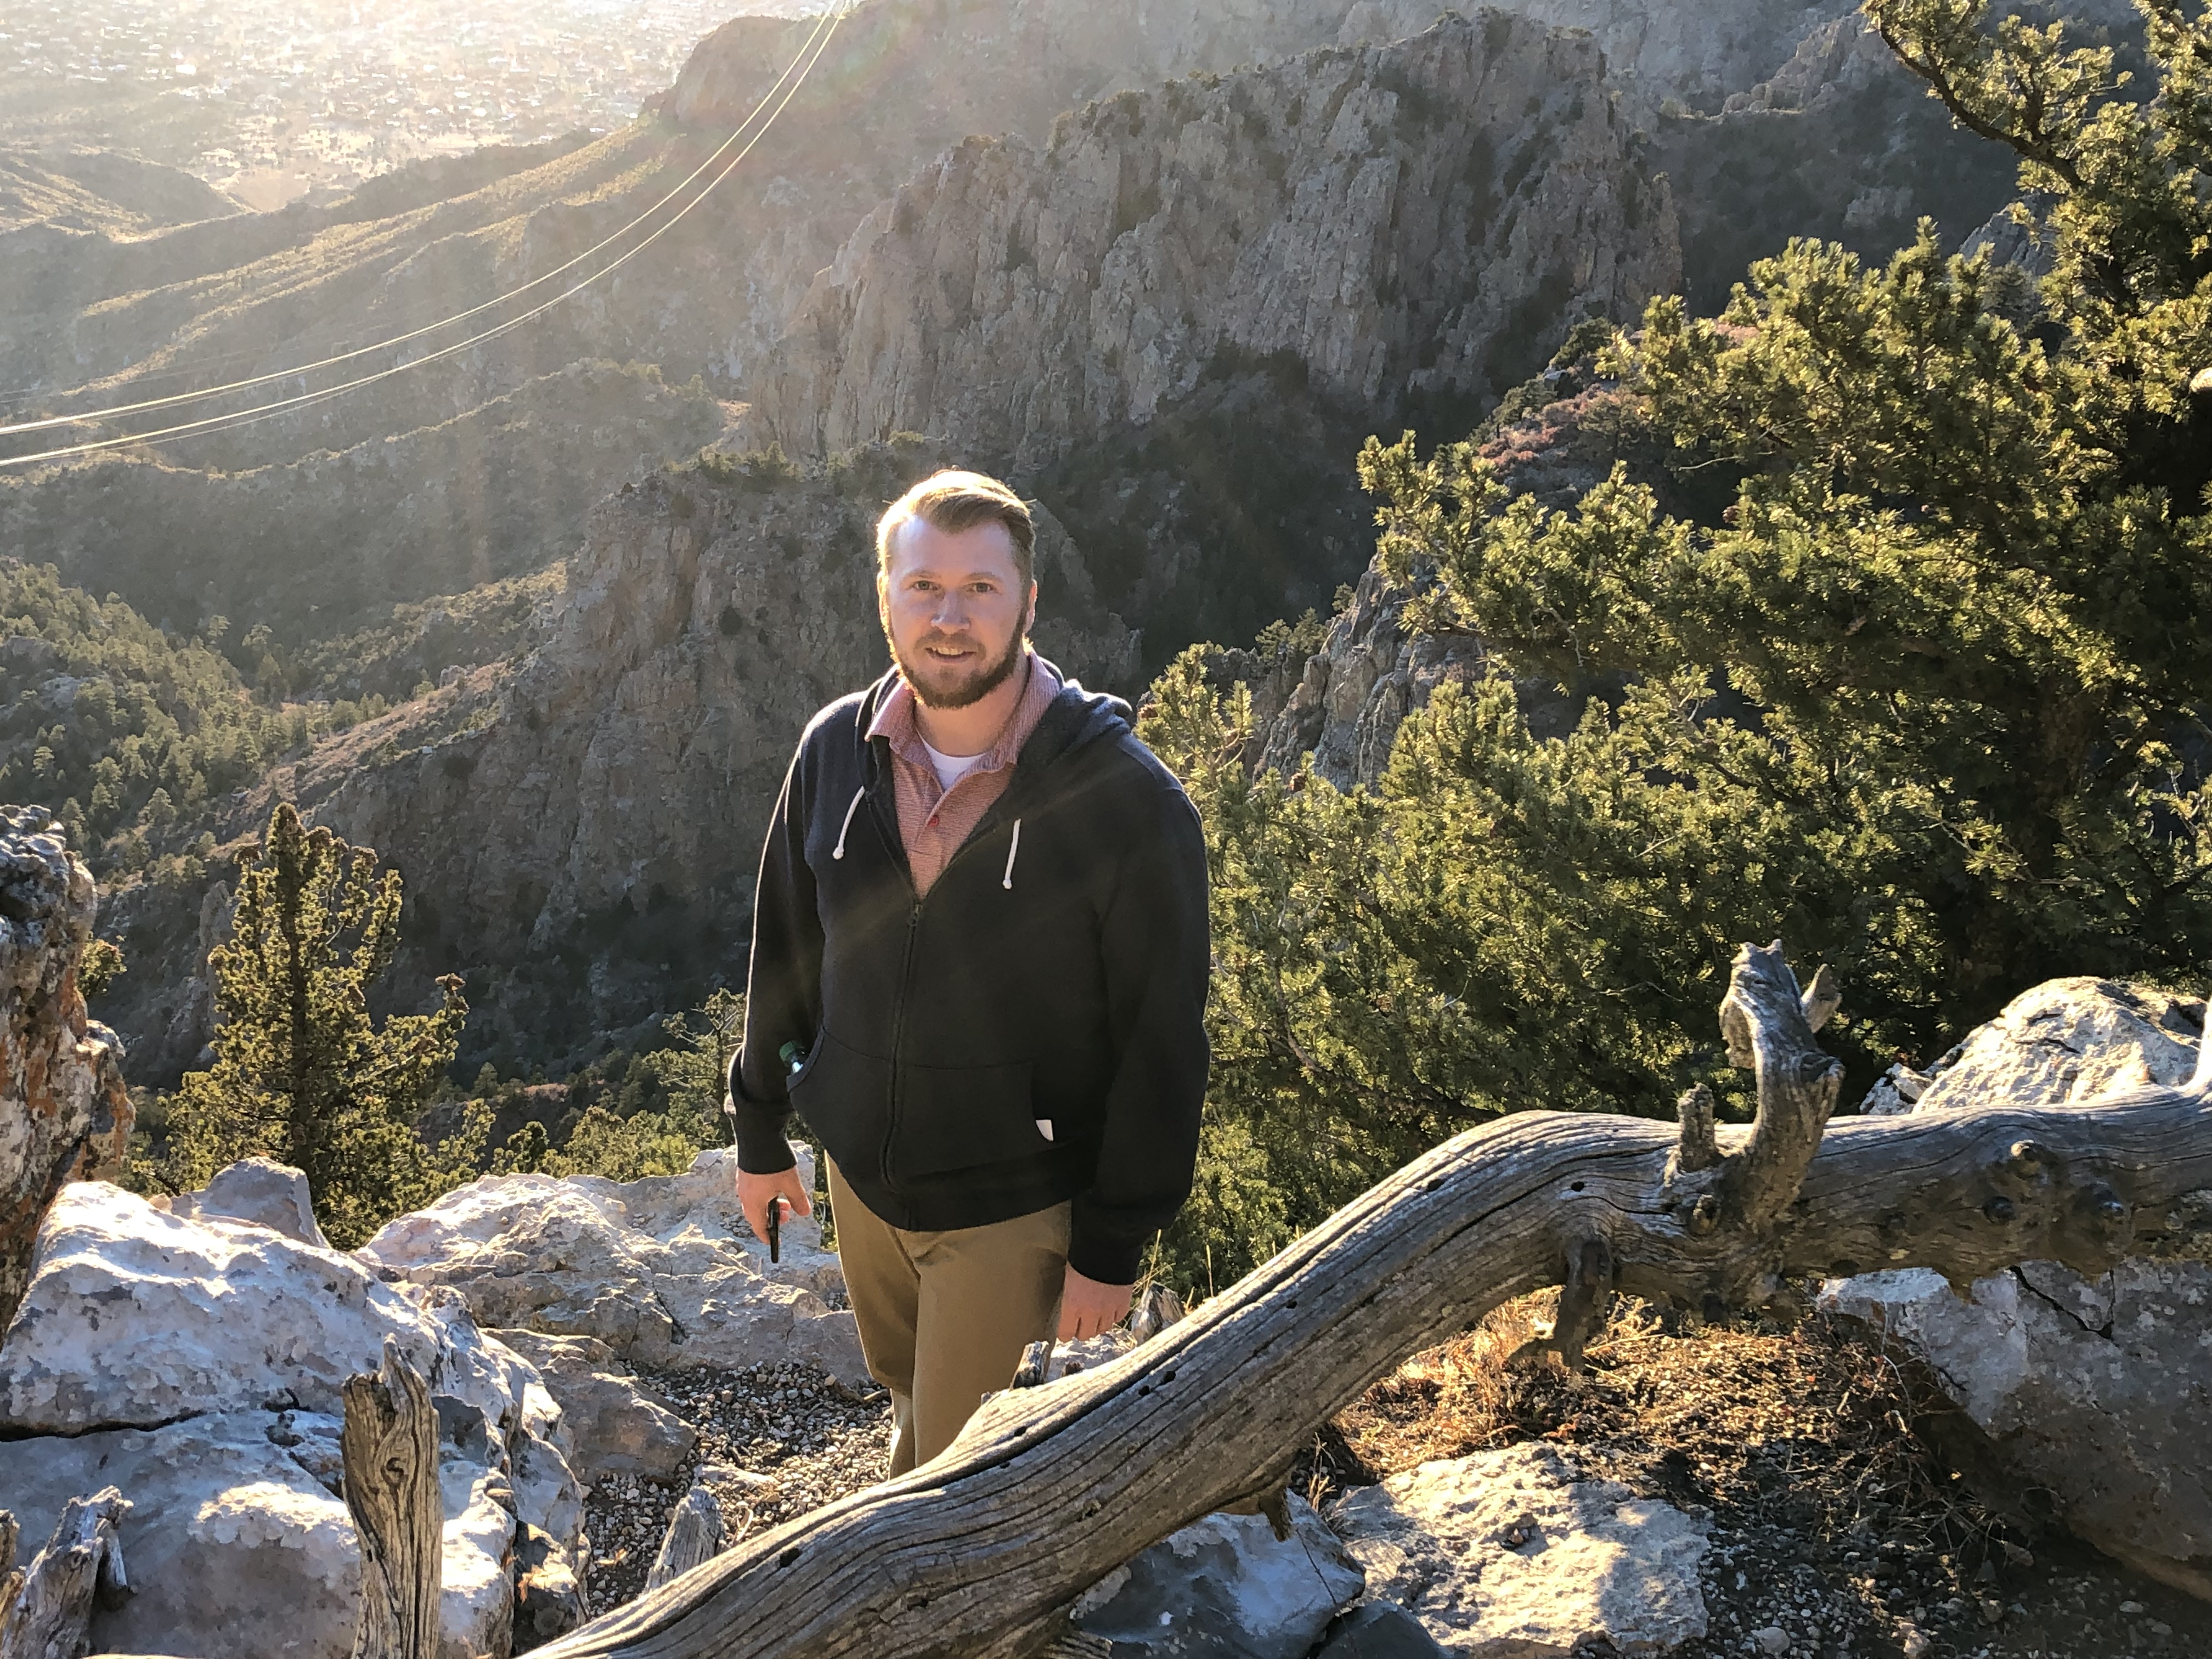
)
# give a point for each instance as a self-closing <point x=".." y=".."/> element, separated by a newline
<point x="632" y="1115"/>
<point x="751" y="469"/>
<point x="99" y="968"/>
<point x="135" y="734"/>
<point x="102" y="711"/>
<point x="1927" y="699"/>
<point x="302" y="1073"/>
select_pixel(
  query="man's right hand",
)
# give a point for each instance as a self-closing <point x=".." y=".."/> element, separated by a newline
<point x="756" y="1192"/>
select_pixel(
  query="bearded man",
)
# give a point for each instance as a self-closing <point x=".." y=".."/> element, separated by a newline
<point x="979" y="970"/>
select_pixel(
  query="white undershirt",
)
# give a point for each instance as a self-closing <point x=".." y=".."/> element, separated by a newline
<point x="950" y="769"/>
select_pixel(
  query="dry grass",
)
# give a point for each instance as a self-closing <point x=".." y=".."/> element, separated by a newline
<point x="1833" y="1470"/>
<point x="1823" y="1425"/>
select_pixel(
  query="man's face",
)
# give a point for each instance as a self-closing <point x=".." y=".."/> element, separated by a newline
<point x="955" y="610"/>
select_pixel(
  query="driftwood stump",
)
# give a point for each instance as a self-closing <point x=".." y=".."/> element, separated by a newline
<point x="695" y="1533"/>
<point x="979" y="1555"/>
<point x="48" y="1611"/>
<point x="389" y="1445"/>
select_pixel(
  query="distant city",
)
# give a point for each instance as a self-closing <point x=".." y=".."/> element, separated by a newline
<point x="297" y="97"/>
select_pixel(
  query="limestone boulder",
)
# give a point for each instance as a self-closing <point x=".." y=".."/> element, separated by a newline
<point x="616" y="1424"/>
<point x="661" y="1271"/>
<point x="1225" y="1588"/>
<point x="258" y="1190"/>
<point x="1513" y="1554"/>
<point x="136" y="1318"/>
<point x="2093" y="1392"/>
<point x="238" y="1544"/>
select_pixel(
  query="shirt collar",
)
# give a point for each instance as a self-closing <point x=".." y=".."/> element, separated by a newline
<point x="895" y="720"/>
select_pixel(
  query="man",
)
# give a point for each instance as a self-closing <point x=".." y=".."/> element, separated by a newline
<point x="979" y="968"/>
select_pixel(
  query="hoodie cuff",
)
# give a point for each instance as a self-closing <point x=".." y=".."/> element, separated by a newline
<point x="762" y="1149"/>
<point x="1108" y="1260"/>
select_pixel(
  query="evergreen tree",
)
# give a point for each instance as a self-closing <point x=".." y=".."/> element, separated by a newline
<point x="302" y="1073"/>
<point x="1924" y="694"/>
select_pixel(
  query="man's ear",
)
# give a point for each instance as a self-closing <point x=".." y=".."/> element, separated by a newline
<point x="1028" y="621"/>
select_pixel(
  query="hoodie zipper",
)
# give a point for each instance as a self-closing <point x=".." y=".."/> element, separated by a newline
<point x="914" y="901"/>
<point x="896" y="839"/>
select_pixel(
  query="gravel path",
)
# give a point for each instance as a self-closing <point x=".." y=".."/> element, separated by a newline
<point x="774" y="1442"/>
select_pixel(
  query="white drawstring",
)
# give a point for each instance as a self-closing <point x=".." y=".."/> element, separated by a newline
<point x="1012" y="849"/>
<point x="838" y="851"/>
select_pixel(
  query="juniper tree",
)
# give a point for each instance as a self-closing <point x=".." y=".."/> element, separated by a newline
<point x="302" y="1073"/>
<point x="1927" y="698"/>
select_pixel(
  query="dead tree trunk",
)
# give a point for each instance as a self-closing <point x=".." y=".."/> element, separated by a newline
<point x="979" y="1555"/>
<point x="389" y="1445"/>
<point x="48" y="1615"/>
<point x="695" y="1533"/>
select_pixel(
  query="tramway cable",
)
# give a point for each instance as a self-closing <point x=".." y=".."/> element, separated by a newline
<point x="825" y="25"/>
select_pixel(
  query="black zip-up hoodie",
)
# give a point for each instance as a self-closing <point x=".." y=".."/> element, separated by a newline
<point x="1030" y="1031"/>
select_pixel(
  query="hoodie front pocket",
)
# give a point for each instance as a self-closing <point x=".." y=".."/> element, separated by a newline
<point x="963" y="1117"/>
<point x="841" y="1093"/>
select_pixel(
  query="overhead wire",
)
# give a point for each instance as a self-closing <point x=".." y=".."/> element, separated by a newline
<point x="825" y="25"/>
<point x="216" y="422"/>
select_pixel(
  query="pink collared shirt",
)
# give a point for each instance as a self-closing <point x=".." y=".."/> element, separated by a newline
<point x="934" y="821"/>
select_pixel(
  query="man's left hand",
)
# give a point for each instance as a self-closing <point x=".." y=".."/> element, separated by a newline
<point x="1087" y="1308"/>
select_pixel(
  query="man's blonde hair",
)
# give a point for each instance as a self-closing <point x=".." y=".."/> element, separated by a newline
<point x="953" y="502"/>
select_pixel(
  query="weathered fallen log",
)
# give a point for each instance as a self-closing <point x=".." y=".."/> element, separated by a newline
<point x="48" y="1611"/>
<point x="388" y="1445"/>
<point x="979" y="1555"/>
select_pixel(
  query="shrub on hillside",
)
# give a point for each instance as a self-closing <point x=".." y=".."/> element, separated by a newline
<point x="1927" y="699"/>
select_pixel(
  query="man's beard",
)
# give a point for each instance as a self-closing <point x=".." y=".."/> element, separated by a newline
<point x="968" y="691"/>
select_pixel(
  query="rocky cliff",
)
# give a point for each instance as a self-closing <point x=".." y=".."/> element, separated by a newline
<point x="64" y="1115"/>
<point x="1410" y="220"/>
<point x="1698" y="54"/>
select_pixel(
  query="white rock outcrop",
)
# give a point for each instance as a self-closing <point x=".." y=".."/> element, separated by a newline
<point x="138" y="1318"/>
<point x="2095" y="1392"/>
<point x="662" y="1271"/>
<point x="195" y="1360"/>
<point x="238" y="1544"/>
<point x="259" y="1190"/>
<point x="1512" y="1554"/>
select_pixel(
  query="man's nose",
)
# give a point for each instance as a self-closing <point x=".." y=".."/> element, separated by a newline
<point x="950" y="611"/>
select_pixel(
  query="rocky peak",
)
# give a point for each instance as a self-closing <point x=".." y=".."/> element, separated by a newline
<point x="1019" y="61"/>
<point x="1408" y="221"/>
<point x="1698" y="54"/>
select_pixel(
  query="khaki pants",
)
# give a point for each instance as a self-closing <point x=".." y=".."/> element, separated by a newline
<point x="943" y="1317"/>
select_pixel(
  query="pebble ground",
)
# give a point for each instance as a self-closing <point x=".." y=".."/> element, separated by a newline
<point x="774" y="1442"/>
